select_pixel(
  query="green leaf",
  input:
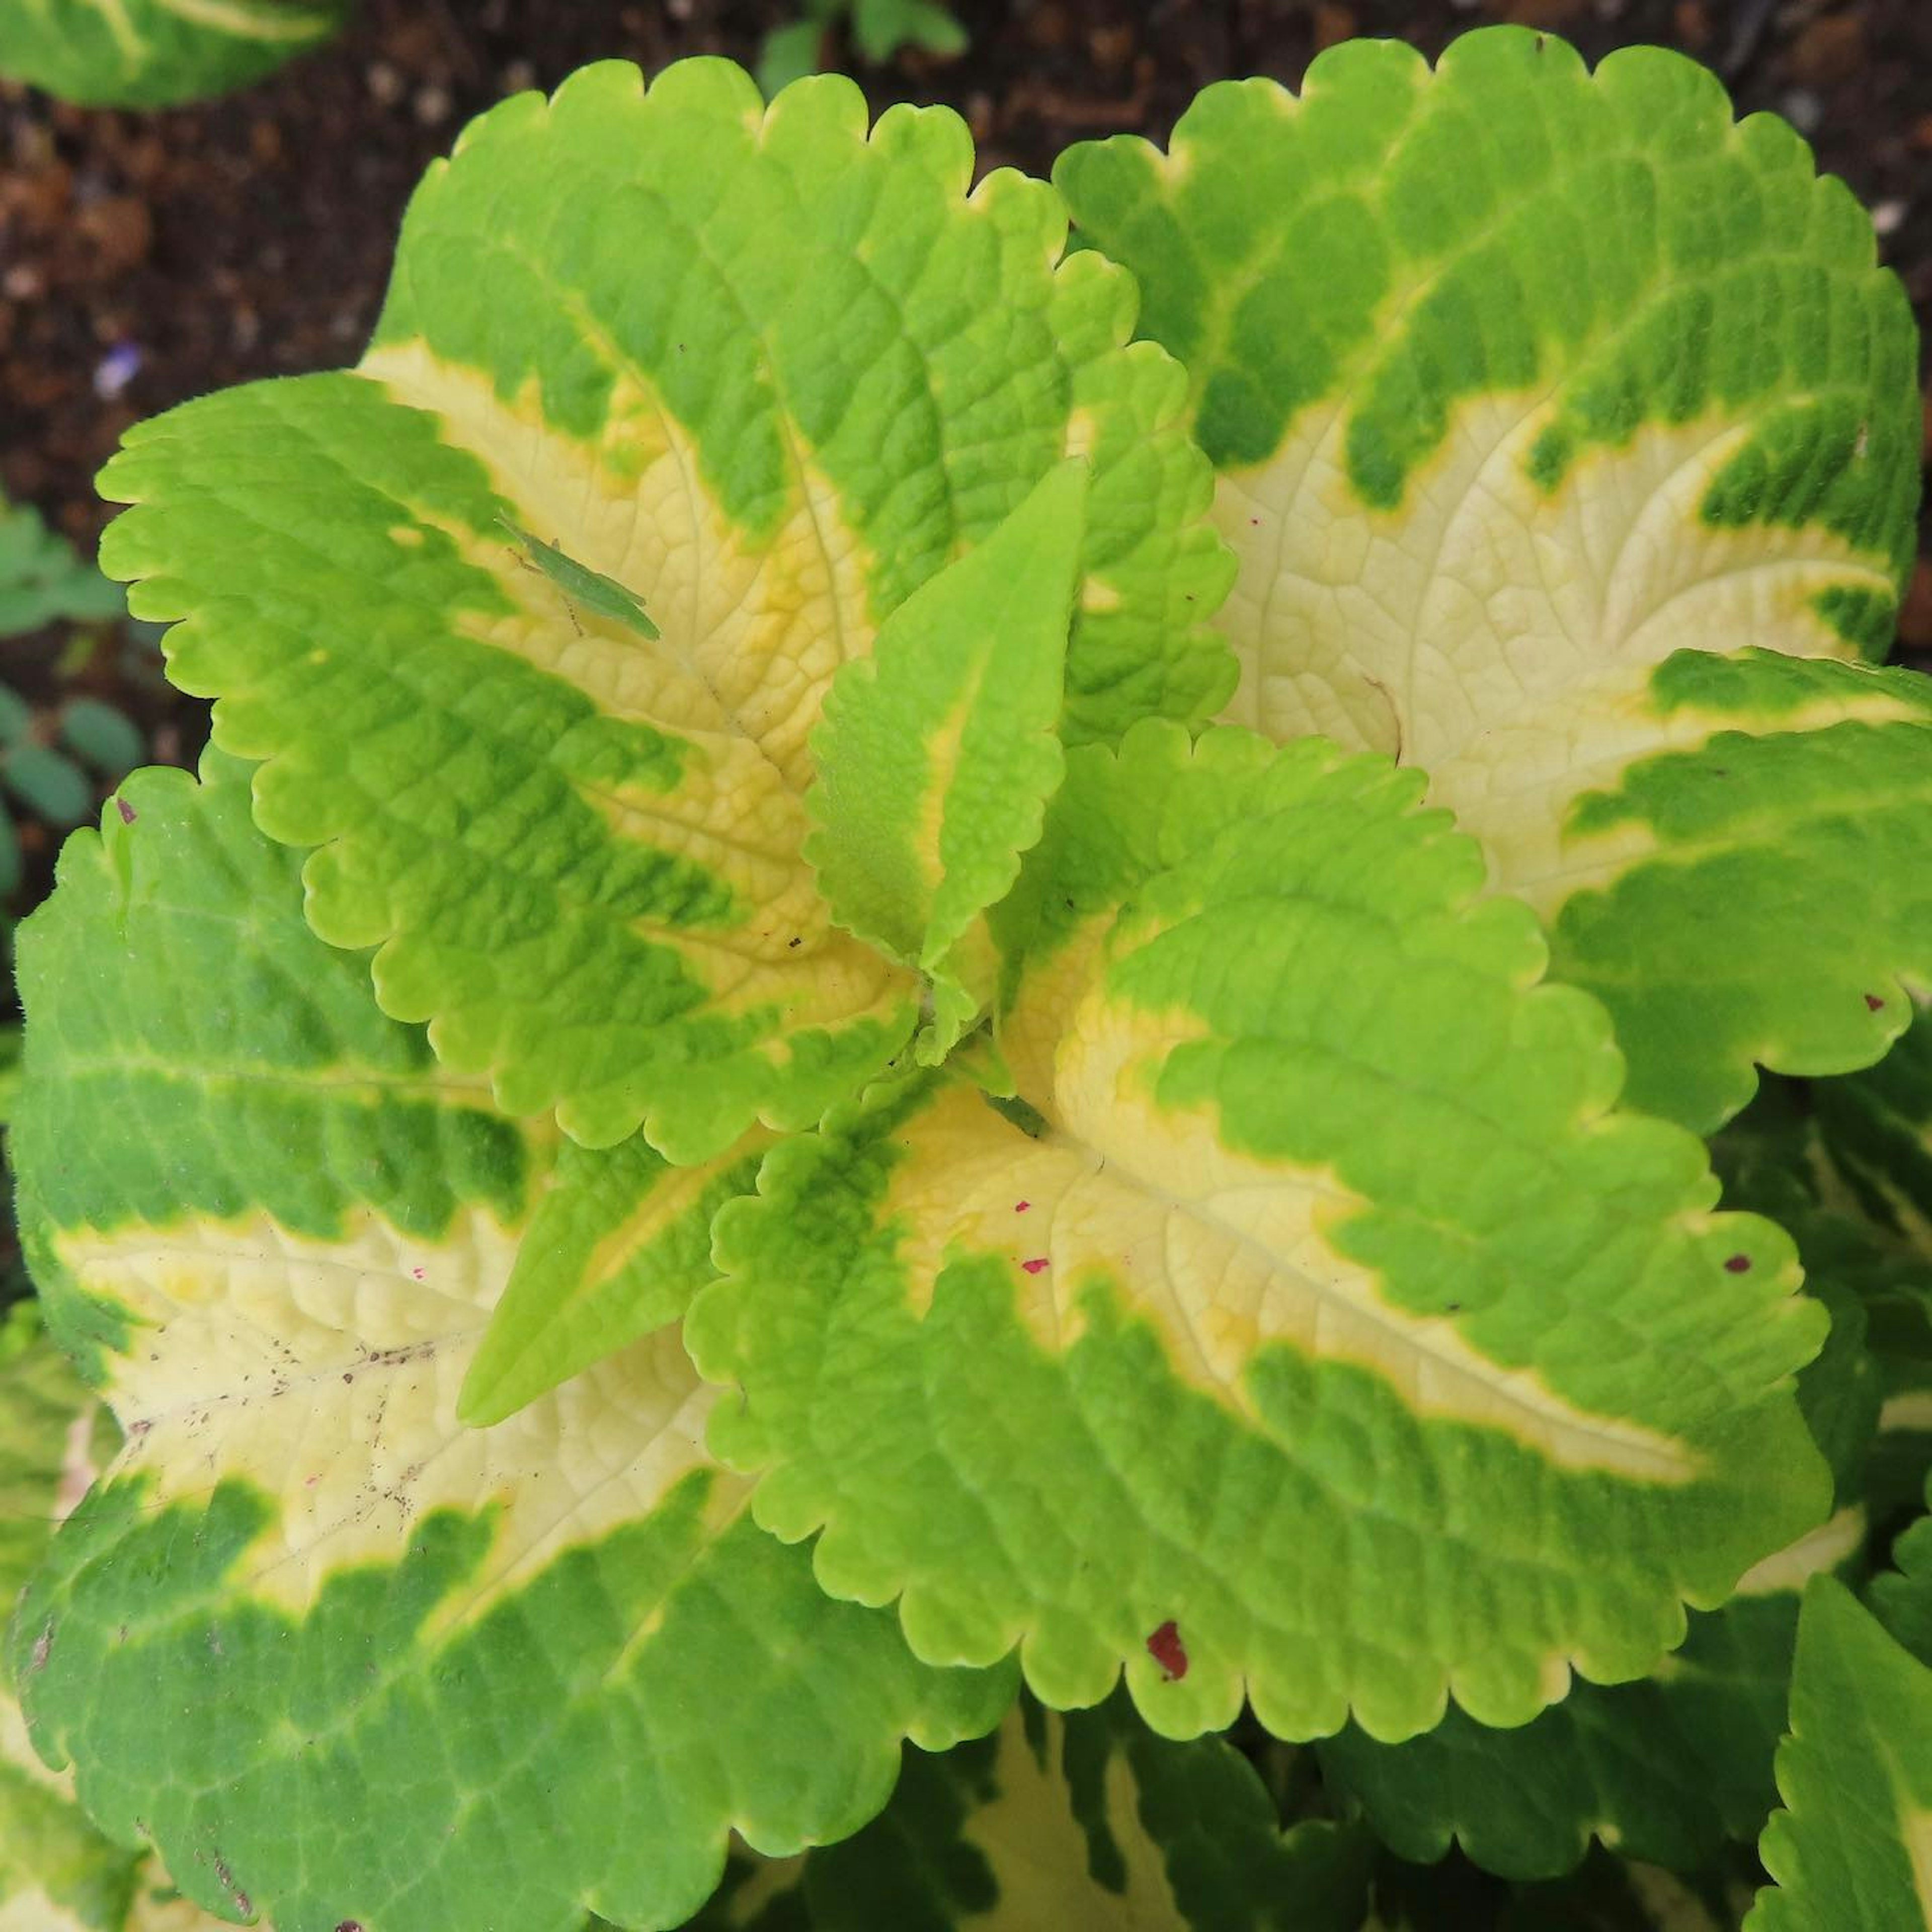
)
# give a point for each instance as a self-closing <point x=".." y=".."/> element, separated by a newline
<point x="307" y="1616"/>
<point x="1606" y="1893"/>
<point x="581" y="585"/>
<point x="618" y="1244"/>
<point x="1768" y="1160"/>
<point x="1667" y="1770"/>
<point x="1084" y="1820"/>
<point x="937" y="755"/>
<point x="40" y="1397"/>
<point x="1670" y="1768"/>
<point x="1875" y="1135"/>
<point x="1337" y="1341"/>
<point x="104" y="737"/>
<point x="1901" y="1597"/>
<point x="57" y="1873"/>
<point x="16" y="715"/>
<point x="153" y="53"/>
<point x="1536" y="395"/>
<point x="772" y="372"/>
<point x="49" y="783"/>
<point x="882" y="27"/>
<point x="10" y="858"/>
<point x="41" y="579"/>
<point x="1869" y="1155"/>
<point x="1800" y="801"/>
<point x="1849" y="1849"/>
<point x="789" y="53"/>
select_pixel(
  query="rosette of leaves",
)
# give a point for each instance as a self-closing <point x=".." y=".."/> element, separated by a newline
<point x="154" y="53"/>
<point x="725" y="1111"/>
<point x="788" y="373"/>
<point x="1567" y="434"/>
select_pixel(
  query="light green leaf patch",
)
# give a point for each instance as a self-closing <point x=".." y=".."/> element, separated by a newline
<point x="1852" y="1848"/>
<point x="1084" y="1820"/>
<point x="152" y="53"/>
<point x="936" y="755"/>
<point x="1536" y="396"/>
<point x="767" y="371"/>
<point x="1335" y="1340"/>
<point x="277" y="1228"/>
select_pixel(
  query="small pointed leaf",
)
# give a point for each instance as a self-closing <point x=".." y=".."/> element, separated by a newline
<point x="937" y="755"/>
<point x="618" y="1243"/>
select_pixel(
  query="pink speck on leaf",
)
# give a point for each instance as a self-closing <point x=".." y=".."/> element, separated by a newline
<point x="1034" y="1266"/>
<point x="1167" y="1651"/>
<point x="1738" y="1264"/>
<point x="126" y="811"/>
<point x="1874" y="1003"/>
<point x="1021" y="1207"/>
<point x="418" y="1272"/>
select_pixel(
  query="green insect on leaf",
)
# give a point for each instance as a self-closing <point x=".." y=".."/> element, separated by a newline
<point x="583" y="587"/>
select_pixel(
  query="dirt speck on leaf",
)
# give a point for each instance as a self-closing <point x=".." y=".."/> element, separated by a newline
<point x="226" y="1879"/>
<point x="1167" y="1650"/>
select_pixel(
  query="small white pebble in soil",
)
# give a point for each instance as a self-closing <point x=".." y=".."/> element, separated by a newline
<point x="116" y="370"/>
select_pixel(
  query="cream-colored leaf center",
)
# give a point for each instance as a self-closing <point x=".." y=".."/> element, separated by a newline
<point x="1498" y="637"/>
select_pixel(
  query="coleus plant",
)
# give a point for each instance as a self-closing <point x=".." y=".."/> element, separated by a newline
<point x="155" y="53"/>
<point x="917" y="970"/>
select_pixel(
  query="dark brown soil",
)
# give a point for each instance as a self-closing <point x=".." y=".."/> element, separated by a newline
<point x="206" y="246"/>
